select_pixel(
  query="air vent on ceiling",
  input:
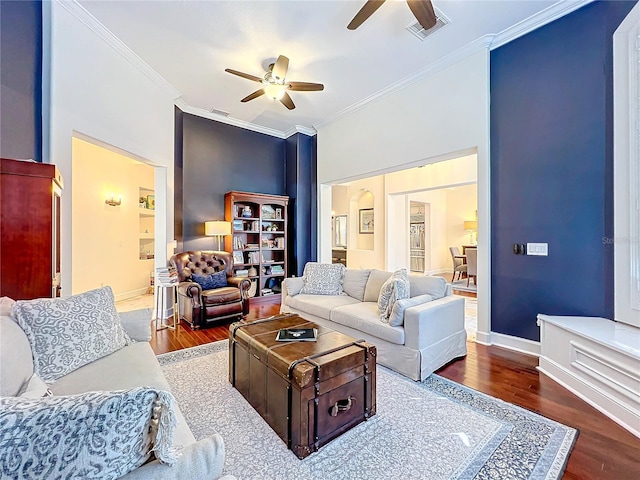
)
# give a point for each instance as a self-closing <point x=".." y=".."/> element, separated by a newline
<point x="417" y="29"/>
<point x="215" y="111"/>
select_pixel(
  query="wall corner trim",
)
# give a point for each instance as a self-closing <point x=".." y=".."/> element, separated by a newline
<point x="93" y="24"/>
<point x="538" y="20"/>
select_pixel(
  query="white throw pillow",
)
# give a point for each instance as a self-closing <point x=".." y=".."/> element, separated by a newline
<point x="67" y="333"/>
<point x="397" y="312"/>
<point x="395" y="288"/>
<point x="323" y="278"/>
<point x="93" y="435"/>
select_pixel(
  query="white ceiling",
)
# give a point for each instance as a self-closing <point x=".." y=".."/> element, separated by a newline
<point x="191" y="43"/>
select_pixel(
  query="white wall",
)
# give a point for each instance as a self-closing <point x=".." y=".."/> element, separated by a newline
<point x="461" y="206"/>
<point x="413" y="126"/>
<point x="102" y="233"/>
<point x="96" y="90"/>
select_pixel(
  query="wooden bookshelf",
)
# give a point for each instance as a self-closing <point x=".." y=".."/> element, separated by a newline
<point x="258" y="239"/>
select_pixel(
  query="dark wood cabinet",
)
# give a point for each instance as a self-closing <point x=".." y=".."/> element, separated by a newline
<point x="29" y="229"/>
<point x="258" y="239"/>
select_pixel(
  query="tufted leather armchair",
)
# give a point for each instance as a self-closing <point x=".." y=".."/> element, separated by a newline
<point x="200" y="307"/>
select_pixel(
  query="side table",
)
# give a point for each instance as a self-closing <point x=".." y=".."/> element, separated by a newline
<point x="164" y="292"/>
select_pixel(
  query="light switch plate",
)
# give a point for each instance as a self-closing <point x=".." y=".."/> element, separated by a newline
<point x="540" y="249"/>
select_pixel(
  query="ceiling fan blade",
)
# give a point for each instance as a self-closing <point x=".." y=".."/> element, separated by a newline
<point x="244" y="75"/>
<point x="365" y="12"/>
<point x="255" y="94"/>
<point x="305" y="86"/>
<point x="280" y="67"/>
<point x="423" y="11"/>
<point x="287" y="102"/>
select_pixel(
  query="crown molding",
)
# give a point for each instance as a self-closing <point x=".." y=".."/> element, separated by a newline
<point x="93" y="24"/>
<point x="538" y="20"/>
<point x="477" y="45"/>
<point x="200" y="112"/>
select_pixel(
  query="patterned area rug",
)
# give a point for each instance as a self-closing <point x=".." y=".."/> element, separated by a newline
<point x="461" y="285"/>
<point x="436" y="429"/>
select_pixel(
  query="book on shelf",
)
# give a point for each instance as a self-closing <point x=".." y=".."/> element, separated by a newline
<point x="242" y="272"/>
<point x="238" y="243"/>
<point x="266" y="291"/>
<point x="166" y="275"/>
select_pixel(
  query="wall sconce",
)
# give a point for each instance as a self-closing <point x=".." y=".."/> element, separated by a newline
<point x="470" y="226"/>
<point x="217" y="228"/>
<point x="113" y="202"/>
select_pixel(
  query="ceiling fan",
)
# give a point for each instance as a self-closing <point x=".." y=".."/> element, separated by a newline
<point x="274" y="85"/>
<point x="422" y="10"/>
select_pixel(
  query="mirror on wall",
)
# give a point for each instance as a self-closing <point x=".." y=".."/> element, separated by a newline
<point x="340" y="231"/>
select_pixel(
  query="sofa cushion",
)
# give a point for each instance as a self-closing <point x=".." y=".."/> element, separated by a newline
<point x="397" y="313"/>
<point x="92" y="435"/>
<point x="364" y="316"/>
<point x="319" y="305"/>
<point x="67" y="333"/>
<point x="374" y="284"/>
<point x="355" y="282"/>
<point x="395" y="288"/>
<point x="426" y="284"/>
<point x="211" y="281"/>
<point x="222" y="295"/>
<point x="16" y="363"/>
<point x="108" y="373"/>
<point x="322" y="278"/>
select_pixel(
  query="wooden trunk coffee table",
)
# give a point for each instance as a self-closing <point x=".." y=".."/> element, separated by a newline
<point x="308" y="392"/>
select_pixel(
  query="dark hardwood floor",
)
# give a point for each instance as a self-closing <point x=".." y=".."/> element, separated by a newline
<point x="603" y="451"/>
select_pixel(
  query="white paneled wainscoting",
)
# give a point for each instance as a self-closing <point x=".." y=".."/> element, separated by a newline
<point x="598" y="360"/>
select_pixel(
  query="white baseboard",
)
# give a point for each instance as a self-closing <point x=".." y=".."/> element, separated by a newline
<point x="130" y="294"/>
<point x="594" y="396"/>
<point x="522" y="345"/>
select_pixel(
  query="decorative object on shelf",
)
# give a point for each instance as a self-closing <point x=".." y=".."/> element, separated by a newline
<point x="253" y="289"/>
<point x="268" y="213"/>
<point x="143" y="202"/>
<point x="112" y="201"/>
<point x="217" y="228"/>
<point x="253" y="272"/>
<point x="470" y="226"/>
<point x="151" y="202"/>
<point x="366" y="220"/>
<point x="246" y="211"/>
<point x="237" y="257"/>
<point x="278" y="214"/>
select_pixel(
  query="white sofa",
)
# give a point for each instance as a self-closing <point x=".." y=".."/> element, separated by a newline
<point x="132" y="366"/>
<point x="432" y="331"/>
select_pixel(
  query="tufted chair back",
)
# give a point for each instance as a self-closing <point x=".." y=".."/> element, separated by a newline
<point x="202" y="262"/>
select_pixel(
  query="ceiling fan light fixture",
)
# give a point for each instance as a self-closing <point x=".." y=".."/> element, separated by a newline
<point x="275" y="91"/>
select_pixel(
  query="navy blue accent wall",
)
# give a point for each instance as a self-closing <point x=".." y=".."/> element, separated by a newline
<point x="301" y="176"/>
<point x="217" y="158"/>
<point x="551" y="170"/>
<point x="21" y="79"/>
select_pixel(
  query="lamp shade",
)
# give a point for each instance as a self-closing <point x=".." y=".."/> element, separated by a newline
<point x="217" y="228"/>
<point x="471" y="225"/>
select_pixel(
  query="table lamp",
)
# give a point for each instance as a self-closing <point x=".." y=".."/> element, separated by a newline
<point x="217" y="228"/>
<point x="470" y="226"/>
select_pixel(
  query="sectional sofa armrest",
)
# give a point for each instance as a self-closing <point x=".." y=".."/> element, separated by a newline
<point x="430" y="322"/>
<point x="203" y="459"/>
<point x="290" y="286"/>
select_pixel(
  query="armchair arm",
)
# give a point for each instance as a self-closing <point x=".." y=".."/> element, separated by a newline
<point x="191" y="290"/>
<point x="243" y="283"/>
<point x="430" y="322"/>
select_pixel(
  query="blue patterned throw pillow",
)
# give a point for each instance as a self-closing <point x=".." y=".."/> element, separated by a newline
<point x="67" y="333"/>
<point x="209" y="282"/>
<point x="323" y="278"/>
